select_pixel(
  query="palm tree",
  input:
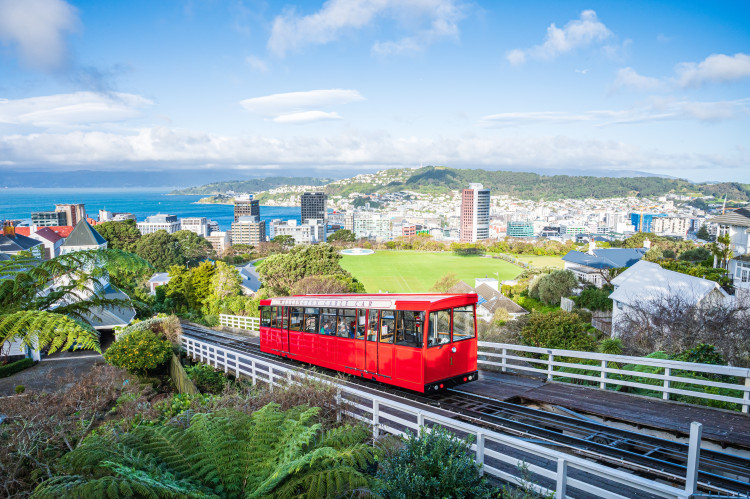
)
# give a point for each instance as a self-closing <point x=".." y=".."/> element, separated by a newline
<point x="270" y="453"/>
<point x="722" y="250"/>
<point x="45" y="303"/>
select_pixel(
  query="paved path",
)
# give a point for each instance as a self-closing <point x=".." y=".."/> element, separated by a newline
<point x="44" y="376"/>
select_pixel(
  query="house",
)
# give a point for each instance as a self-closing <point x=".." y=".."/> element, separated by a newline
<point x="593" y="266"/>
<point x="489" y="299"/>
<point x="645" y="282"/>
<point x="83" y="237"/>
<point x="158" y="279"/>
<point x="250" y="279"/>
<point x="737" y="225"/>
<point x="51" y="240"/>
<point x="12" y="243"/>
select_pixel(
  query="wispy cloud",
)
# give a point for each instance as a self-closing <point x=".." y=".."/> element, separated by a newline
<point x="628" y="78"/>
<point x="576" y="34"/>
<point x="657" y="110"/>
<point x="74" y="109"/>
<point x="37" y="30"/>
<point x="291" y="31"/>
<point x="716" y="68"/>
<point x="300" y="107"/>
<point x="257" y="63"/>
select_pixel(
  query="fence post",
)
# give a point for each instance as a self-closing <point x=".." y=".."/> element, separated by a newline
<point x="420" y="421"/>
<point x="505" y="360"/>
<point x="252" y="364"/>
<point x="694" y="454"/>
<point x="237" y="366"/>
<point x="338" y="404"/>
<point x="550" y="367"/>
<point x="746" y="397"/>
<point x="480" y="452"/>
<point x="603" y="383"/>
<point x="562" y="478"/>
<point x="667" y="374"/>
<point x="226" y="362"/>
<point x="375" y="418"/>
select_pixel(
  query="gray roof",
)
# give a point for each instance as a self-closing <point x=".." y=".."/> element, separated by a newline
<point x="16" y="242"/>
<point x="84" y="235"/>
<point x="160" y="277"/>
<point x="109" y="317"/>
<point x="495" y="300"/>
<point x="461" y="287"/>
<point x="250" y="277"/>
<point x="739" y="217"/>
<point x="606" y="258"/>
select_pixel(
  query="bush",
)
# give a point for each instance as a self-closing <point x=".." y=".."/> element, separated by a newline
<point x="433" y="464"/>
<point x="594" y="298"/>
<point x="139" y="352"/>
<point x="20" y="389"/>
<point x="14" y="367"/>
<point x="559" y="329"/>
<point x="551" y="287"/>
<point x="206" y="378"/>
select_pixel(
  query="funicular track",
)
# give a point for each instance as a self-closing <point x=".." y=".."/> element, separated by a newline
<point x="648" y="456"/>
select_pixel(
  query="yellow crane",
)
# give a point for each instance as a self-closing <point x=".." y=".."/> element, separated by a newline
<point x="640" y="209"/>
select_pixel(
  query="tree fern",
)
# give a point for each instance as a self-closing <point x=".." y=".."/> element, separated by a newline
<point x="270" y="453"/>
<point x="40" y="330"/>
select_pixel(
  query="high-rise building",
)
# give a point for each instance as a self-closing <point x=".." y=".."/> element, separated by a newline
<point x="246" y="206"/>
<point x="74" y="213"/>
<point x="248" y="230"/>
<point x="475" y="214"/>
<point x="313" y="206"/>
<point x="199" y="225"/>
<point x="49" y="218"/>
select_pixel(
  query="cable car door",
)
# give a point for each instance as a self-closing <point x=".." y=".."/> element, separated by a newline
<point x="360" y="349"/>
<point x="371" y="344"/>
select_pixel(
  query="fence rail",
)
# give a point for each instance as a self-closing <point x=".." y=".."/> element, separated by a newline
<point x="500" y="455"/>
<point x="240" y="322"/>
<point x="604" y="370"/>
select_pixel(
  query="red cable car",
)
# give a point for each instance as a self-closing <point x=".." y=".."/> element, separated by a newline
<point x="422" y="342"/>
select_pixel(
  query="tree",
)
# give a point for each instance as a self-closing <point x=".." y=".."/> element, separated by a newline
<point x="326" y="285"/>
<point x="703" y="233"/>
<point x="201" y="284"/>
<point x="342" y="235"/>
<point x="225" y="282"/>
<point x="722" y="250"/>
<point x="551" y="287"/>
<point x="558" y="329"/>
<point x="285" y="241"/>
<point x="444" y="283"/>
<point x="161" y="249"/>
<point x="194" y="248"/>
<point x="120" y="235"/>
<point x="695" y="255"/>
<point x="227" y="453"/>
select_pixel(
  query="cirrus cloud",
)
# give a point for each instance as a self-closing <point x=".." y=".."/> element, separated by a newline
<point x="299" y="107"/>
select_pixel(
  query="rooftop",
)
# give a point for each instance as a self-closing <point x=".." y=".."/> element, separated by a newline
<point x="84" y="235"/>
<point x="606" y="258"/>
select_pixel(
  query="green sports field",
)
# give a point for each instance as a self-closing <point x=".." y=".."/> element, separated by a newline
<point x="416" y="272"/>
<point x="542" y="261"/>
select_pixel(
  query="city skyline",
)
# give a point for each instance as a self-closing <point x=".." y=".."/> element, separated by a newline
<point x="358" y="86"/>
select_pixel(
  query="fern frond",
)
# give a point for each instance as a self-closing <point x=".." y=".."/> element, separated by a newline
<point x="40" y="330"/>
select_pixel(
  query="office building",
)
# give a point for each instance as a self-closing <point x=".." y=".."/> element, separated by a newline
<point x="159" y="222"/>
<point x="520" y="229"/>
<point x="48" y="218"/>
<point x="74" y="213"/>
<point x="199" y="225"/>
<point x="311" y="232"/>
<point x="220" y="241"/>
<point x="248" y="230"/>
<point x="246" y="206"/>
<point x="313" y="206"/>
<point x="475" y="214"/>
<point x="371" y="225"/>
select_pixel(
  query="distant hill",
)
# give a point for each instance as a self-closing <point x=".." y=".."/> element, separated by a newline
<point x="253" y="185"/>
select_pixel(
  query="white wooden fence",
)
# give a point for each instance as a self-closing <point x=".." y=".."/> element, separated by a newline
<point x="500" y="455"/>
<point x="240" y="322"/>
<point x="601" y="368"/>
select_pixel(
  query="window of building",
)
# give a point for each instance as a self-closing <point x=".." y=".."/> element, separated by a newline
<point x="265" y="317"/>
<point x="439" y="330"/>
<point x="387" y="326"/>
<point x="463" y="323"/>
<point x="311" y="320"/>
<point x="409" y="328"/>
<point x="328" y="321"/>
<point x="296" y="317"/>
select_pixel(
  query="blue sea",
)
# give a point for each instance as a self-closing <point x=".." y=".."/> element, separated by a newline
<point x="18" y="203"/>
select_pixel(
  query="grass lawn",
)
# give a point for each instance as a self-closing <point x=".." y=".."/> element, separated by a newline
<point x="416" y="272"/>
<point x="542" y="261"/>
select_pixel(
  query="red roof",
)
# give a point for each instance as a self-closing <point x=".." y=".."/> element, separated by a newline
<point x="61" y="230"/>
<point x="49" y="234"/>
<point x="24" y="231"/>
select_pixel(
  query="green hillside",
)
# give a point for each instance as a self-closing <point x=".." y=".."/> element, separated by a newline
<point x="249" y="186"/>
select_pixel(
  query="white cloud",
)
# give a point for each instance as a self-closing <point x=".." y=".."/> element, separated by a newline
<point x="257" y="63"/>
<point x="657" y="110"/>
<point x="578" y="33"/>
<point x="292" y="32"/>
<point x="299" y="107"/>
<point x="716" y="68"/>
<point x="629" y="78"/>
<point x="37" y="28"/>
<point x="78" y="108"/>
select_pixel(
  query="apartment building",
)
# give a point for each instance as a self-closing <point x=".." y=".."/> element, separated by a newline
<point x="74" y="213"/>
<point x="475" y="214"/>
<point x="248" y="230"/>
<point x="159" y="222"/>
<point x="199" y="225"/>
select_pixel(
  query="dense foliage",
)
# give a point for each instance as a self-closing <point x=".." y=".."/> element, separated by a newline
<point x="120" y="235"/>
<point x="139" y="352"/>
<point x="433" y="464"/>
<point x="594" y="298"/>
<point x="206" y="378"/>
<point x="551" y="287"/>
<point x="343" y="235"/>
<point x="558" y="329"/>
<point x="14" y="367"/>
<point x="161" y="249"/>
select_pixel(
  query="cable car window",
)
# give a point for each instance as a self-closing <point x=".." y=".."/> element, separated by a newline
<point x="328" y="321"/>
<point x="439" y="330"/>
<point x="361" y="324"/>
<point x="409" y="328"/>
<point x="372" y="325"/>
<point x="347" y="323"/>
<point x="274" y="316"/>
<point x="283" y="321"/>
<point x="311" y="320"/>
<point x="296" y="318"/>
<point x="387" y="326"/>
<point x="265" y="317"/>
<point x="463" y="323"/>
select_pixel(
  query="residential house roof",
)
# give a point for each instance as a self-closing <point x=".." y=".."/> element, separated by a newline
<point x="461" y="287"/>
<point x="648" y="280"/>
<point x="159" y="277"/>
<point x="606" y="258"/>
<point x="109" y="317"/>
<point x="48" y="234"/>
<point x="739" y="217"/>
<point x="495" y="300"/>
<point x="13" y="243"/>
<point x="250" y="278"/>
<point x="60" y="230"/>
<point x="84" y="235"/>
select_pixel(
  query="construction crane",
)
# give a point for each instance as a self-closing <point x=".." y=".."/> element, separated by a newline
<point x="640" y="209"/>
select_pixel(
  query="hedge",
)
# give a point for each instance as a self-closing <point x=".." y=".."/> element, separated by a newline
<point x="14" y="367"/>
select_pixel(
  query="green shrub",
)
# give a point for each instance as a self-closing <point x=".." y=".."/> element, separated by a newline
<point x="558" y="329"/>
<point x="433" y="464"/>
<point x="14" y="367"/>
<point x="206" y="378"/>
<point x="20" y="389"/>
<point x="139" y="352"/>
<point x="179" y="403"/>
<point x="594" y="298"/>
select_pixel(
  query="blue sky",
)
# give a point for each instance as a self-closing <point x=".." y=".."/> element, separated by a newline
<point x="340" y="87"/>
